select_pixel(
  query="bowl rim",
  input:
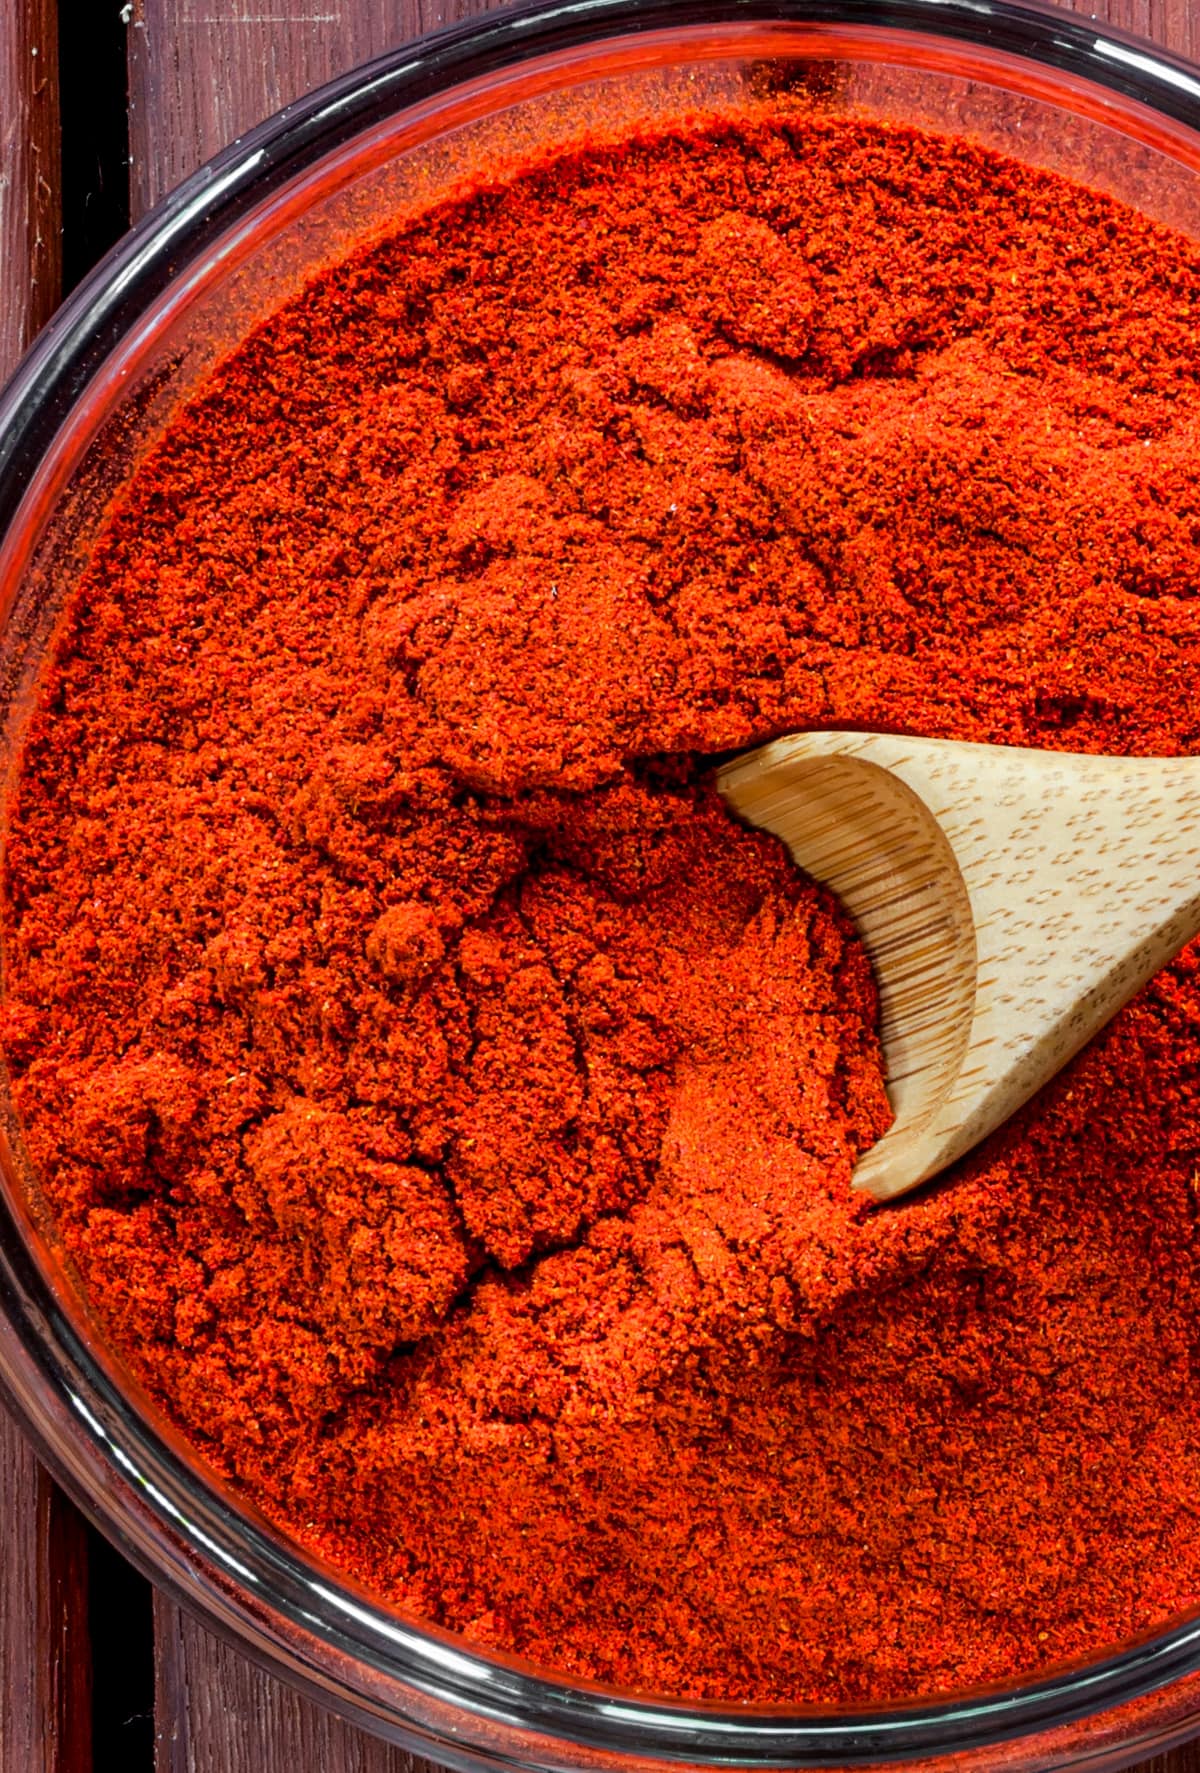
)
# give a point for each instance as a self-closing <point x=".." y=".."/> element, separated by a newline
<point x="109" y="1452"/>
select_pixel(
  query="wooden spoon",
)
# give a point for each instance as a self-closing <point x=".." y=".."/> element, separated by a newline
<point x="1010" y="901"/>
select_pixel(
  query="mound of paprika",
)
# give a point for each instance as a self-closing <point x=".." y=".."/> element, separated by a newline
<point x="448" y="1107"/>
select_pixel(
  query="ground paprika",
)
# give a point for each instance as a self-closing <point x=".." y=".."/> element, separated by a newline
<point x="448" y="1107"/>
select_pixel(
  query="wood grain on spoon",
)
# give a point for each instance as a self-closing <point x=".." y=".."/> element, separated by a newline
<point x="1010" y="901"/>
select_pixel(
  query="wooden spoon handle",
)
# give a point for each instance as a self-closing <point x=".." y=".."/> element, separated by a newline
<point x="1010" y="900"/>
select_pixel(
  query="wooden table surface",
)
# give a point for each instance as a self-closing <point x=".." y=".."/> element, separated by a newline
<point x="102" y="110"/>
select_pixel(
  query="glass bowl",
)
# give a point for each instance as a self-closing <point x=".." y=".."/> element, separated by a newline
<point x="98" y="386"/>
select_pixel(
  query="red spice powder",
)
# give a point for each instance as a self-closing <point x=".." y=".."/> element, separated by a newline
<point x="450" y="1109"/>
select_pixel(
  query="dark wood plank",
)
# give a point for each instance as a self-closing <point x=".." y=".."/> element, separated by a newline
<point x="218" y="1714"/>
<point x="20" y="1719"/>
<point x="45" y="1714"/>
<point x="45" y="1663"/>
<point x="63" y="1632"/>
<point x="30" y="249"/>
<point x="201" y="71"/>
<point x="1175" y="23"/>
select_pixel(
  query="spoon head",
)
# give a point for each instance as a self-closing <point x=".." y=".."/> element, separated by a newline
<point x="857" y="827"/>
<point x="1010" y="902"/>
